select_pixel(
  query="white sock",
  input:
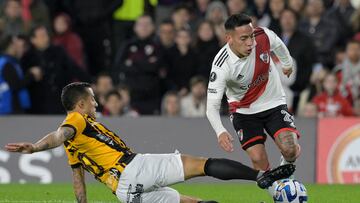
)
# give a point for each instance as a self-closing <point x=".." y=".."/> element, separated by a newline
<point x="283" y="162"/>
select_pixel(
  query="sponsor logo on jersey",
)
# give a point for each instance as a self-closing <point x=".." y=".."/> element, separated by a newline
<point x="211" y="90"/>
<point x="265" y="57"/>
<point x="212" y="77"/>
<point x="260" y="79"/>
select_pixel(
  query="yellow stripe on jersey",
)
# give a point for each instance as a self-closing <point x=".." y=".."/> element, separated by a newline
<point x="98" y="150"/>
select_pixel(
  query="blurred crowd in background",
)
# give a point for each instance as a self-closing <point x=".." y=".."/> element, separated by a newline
<point x="153" y="57"/>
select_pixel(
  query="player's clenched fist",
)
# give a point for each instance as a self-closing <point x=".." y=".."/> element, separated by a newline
<point x="225" y="141"/>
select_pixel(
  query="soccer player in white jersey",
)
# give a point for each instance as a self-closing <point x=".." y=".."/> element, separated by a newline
<point x="244" y="70"/>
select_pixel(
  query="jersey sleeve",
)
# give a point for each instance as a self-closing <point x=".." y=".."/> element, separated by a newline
<point x="217" y="83"/>
<point x="280" y="49"/>
<point x="73" y="161"/>
<point x="216" y="88"/>
<point x="75" y="121"/>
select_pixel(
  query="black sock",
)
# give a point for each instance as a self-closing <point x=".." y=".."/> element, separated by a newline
<point x="226" y="169"/>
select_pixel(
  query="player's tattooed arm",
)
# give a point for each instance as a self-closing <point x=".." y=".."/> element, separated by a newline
<point x="54" y="139"/>
<point x="51" y="140"/>
<point x="79" y="184"/>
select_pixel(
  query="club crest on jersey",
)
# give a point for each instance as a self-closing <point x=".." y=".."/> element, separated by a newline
<point x="265" y="57"/>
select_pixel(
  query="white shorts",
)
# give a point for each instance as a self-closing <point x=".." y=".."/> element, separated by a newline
<point x="145" y="179"/>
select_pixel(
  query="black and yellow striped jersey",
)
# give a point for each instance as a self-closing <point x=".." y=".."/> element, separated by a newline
<point x="97" y="149"/>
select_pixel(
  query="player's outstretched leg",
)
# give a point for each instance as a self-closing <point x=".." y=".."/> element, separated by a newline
<point x="226" y="169"/>
<point x="271" y="176"/>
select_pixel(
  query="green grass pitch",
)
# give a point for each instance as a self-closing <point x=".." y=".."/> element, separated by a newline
<point x="224" y="193"/>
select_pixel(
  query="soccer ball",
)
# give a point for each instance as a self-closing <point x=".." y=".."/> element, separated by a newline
<point x="289" y="191"/>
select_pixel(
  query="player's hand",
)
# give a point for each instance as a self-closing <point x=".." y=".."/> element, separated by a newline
<point x="287" y="71"/>
<point x="26" y="148"/>
<point x="225" y="141"/>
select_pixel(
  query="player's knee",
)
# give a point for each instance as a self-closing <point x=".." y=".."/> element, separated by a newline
<point x="259" y="159"/>
<point x="290" y="153"/>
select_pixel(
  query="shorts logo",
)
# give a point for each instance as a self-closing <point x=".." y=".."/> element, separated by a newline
<point x="288" y="118"/>
<point x="265" y="57"/>
<point x="134" y="194"/>
<point x="240" y="134"/>
<point x="212" y="77"/>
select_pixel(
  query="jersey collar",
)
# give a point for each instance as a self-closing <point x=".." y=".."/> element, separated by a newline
<point x="233" y="58"/>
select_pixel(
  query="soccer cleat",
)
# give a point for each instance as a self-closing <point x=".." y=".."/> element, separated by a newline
<point x="278" y="173"/>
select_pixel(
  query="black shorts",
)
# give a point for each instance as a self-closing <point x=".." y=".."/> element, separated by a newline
<point x="251" y="128"/>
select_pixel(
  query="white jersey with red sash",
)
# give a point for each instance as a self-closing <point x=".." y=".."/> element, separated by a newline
<point x="252" y="83"/>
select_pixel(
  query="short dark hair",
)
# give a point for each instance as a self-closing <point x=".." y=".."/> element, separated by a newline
<point x="102" y="74"/>
<point x="35" y="28"/>
<point x="112" y="93"/>
<point x="72" y="93"/>
<point x="237" y="20"/>
<point x="5" y="42"/>
<point x="197" y="79"/>
<point x="292" y="11"/>
<point x="167" y="22"/>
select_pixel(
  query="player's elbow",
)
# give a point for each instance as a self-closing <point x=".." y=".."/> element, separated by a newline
<point x="209" y="113"/>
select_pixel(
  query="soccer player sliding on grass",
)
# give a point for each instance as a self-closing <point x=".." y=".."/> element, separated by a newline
<point x="132" y="177"/>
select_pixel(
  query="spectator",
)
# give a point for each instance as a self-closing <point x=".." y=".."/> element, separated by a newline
<point x="124" y="92"/>
<point x="206" y="47"/>
<point x="298" y="6"/>
<point x="201" y="7"/>
<point x="138" y="64"/>
<point x="164" y="9"/>
<point x="166" y="34"/>
<point x="217" y="14"/>
<point x="13" y="22"/>
<point x="182" y="63"/>
<point x="103" y="85"/>
<point x="276" y="8"/>
<point x="349" y="71"/>
<point x="57" y="70"/>
<point x="113" y="105"/>
<point x="170" y="105"/>
<point x="181" y="17"/>
<point x="302" y="49"/>
<point x="237" y="6"/>
<point x="35" y="12"/>
<point x="340" y="13"/>
<point x="194" y="104"/>
<point x="309" y="111"/>
<point x="14" y="95"/>
<point x="125" y="15"/>
<point x="92" y="21"/>
<point x="322" y="31"/>
<point x="330" y="103"/>
<point x="261" y="11"/>
<point x="68" y="39"/>
<point x="316" y="81"/>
